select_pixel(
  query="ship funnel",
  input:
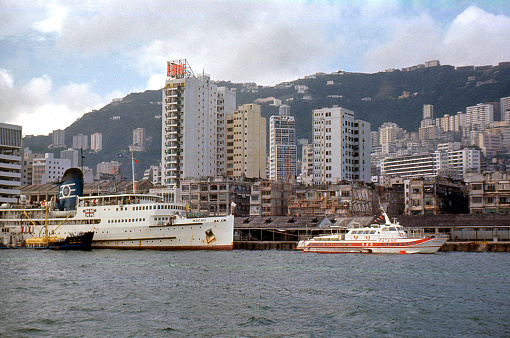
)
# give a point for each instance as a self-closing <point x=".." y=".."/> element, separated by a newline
<point x="70" y="188"/>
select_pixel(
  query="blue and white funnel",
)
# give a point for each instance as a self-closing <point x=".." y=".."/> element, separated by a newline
<point x="70" y="188"/>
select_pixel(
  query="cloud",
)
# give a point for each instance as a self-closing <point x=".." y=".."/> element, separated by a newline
<point x="40" y="107"/>
<point x="56" y="16"/>
<point x="477" y="37"/>
<point x="474" y="37"/>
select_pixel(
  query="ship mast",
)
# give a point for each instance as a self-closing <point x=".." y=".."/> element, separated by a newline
<point x="133" y="171"/>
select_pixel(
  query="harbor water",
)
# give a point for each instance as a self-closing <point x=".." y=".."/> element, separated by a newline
<point x="242" y="293"/>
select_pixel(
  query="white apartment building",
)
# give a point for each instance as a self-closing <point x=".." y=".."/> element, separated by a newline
<point x="505" y="109"/>
<point x="480" y="116"/>
<point x="153" y="174"/>
<point x="73" y="155"/>
<point x="464" y="161"/>
<point x="282" y="146"/>
<point x="27" y="169"/>
<point x="341" y="146"/>
<point x="58" y="138"/>
<point x="189" y="125"/>
<point x="451" y="122"/>
<point x="49" y="169"/>
<point x="10" y="163"/>
<point x="96" y="142"/>
<point x="226" y="105"/>
<point x="80" y="141"/>
<point x="390" y="132"/>
<point x="419" y="165"/>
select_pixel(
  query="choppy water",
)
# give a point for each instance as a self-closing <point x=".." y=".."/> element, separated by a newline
<point x="111" y="293"/>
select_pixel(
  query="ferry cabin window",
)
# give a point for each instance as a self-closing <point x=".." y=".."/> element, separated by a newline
<point x="372" y="232"/>
<point x="391" y="229"/>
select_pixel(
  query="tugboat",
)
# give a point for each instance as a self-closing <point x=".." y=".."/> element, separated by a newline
<point x="385" y="238"/>
<point x="80" y="241"/>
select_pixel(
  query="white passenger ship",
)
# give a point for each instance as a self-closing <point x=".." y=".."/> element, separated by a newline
<point x="386" y="238"/>
<point x="126" y="221"/>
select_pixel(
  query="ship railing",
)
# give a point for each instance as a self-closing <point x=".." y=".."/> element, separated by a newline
<point x="419" y="233"/>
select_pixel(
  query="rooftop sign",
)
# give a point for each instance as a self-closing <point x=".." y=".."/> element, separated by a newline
<point x="178" y="69"/>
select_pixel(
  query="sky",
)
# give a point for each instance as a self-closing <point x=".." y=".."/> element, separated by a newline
<point x="59" y="59"/>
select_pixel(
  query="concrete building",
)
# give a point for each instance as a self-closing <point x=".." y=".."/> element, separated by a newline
<point x="80" y="141"/>
<point x="504" y="104"/>
<point x="270" y="198"/>
<point x="435" y="195"/>
<point x="189" y="125"/>
<point x="428" y="112"/>
<point x="390" y="132"/>
<point x="27" y="169"/>
<point x="307" y="164"/>
<point x="419" y="165"/>
<point x="153" y="174"/>
<point x="10" y="163"/>
<point x="49" y="169"/>
<point x="282" y="146"/>
<point x="73" y="155"/>
<point x="246" y="143"/>
<point x="341" y="146"/>
<point x="226" y="106"/>
<point x="489" y="193"/>
<point x="491" y="144"/>
<point x="138" y="140"/>
<point x="107" y="169"/>
<point x="216" y="196"/>
<point x="480" y="116"/>
<point x="464" y="161"/>
<point x="96" y="142"/>
<point x="58" y="138"/>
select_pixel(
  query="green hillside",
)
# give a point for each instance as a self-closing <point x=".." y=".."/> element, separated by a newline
<point x="373" y="97"/>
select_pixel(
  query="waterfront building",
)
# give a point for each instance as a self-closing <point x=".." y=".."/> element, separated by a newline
<point x="270" y="198"/>
<point x="73" y="155"/>
<point x="189" y="125"/>
<point x="58" y="138"/>
<point x="282" y="146"/>
<point x="96" y="142"/>
<point x="338" y="199"/>
<point x="246" y="143"/>
<point x="226" y="105"/>
<point x="49" y="169"/>
<point x="10" y="163"/>
<point x="216" y="196"/>
<point x="435" y="195"/>
<point x="80" y="141"/>
<point x="341" y="146"/>
<point x="489" y="193"/>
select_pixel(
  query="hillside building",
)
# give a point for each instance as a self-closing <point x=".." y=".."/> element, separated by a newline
<point x="96" y="142"/>
<point x="58" y="138"/>
<point x="341" y="146"/>
<point x="282" y="146"/>
<point x="480" y="116"/>
<point x="80" y="141"/>
<point x="10" y="163"/>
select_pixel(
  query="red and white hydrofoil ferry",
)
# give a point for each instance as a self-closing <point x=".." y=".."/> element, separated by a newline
<point x="377" y="238"/>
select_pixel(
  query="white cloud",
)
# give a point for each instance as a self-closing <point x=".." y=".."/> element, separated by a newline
<point x="56" y="14"/>
<point x="477" y="37"/>
<point x="40" y="108"/>
<point x="474" y="37"/>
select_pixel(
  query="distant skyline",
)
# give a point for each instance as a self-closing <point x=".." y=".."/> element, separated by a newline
<point x="60" y="59"/>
